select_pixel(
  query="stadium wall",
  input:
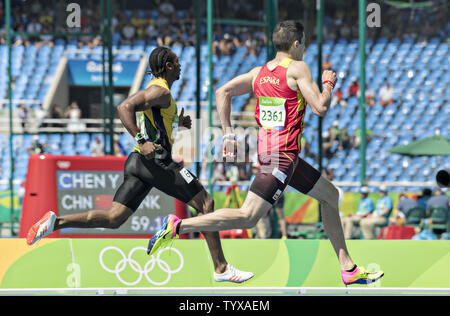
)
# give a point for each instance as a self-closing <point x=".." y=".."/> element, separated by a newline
<point x="140" y="73"/>
<point x="58" y="92"/>
<point x="301" y="209"/>
<point x="95" y="263"/>
<point x="298" y="208"/>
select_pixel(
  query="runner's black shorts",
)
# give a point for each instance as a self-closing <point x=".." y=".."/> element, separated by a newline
<point x="142" y="174"/>
<point x="280" y="170"/>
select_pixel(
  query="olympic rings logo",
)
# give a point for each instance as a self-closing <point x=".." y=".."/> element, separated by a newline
<point x="148" y="267"/>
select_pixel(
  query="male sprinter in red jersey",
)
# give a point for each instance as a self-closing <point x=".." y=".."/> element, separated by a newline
<point x="283" y="87"/>
<point x="150" y="165"/>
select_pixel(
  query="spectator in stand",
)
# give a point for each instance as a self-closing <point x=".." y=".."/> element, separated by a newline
<point x="327" y="145"/>
<point x="365" y="208"/>
<point x="22" y="113"/>
<point x="164" y="39"/>
<point x="326" y="65"/>
<point x="328" y="174"/>
<point x="136" y="20"/>
<point x="57" y="113"/>
<point x="166" y="16"/>
<point x="252" y="45"/>
<point x="59" y="20"/>
<point x="141" y="33"/>
<point x="330" y="138"/>
<point x="386" y="94"/>
<point x="219" y="173"/>
<point x="236" y="42"/>
<point x="129" y="32"/>
<point x="370" y="97"/>
<point x="380" y="217"/>
<point x="96" y="41"/>
<point x="73" y="113"/>
<point x="306" y="148"/>
<point x="97" y="147"/>
<point x="353" y="89"/>
<point x="151" y="32"/>
<point x="35" y="8"/>
<point x="344" y="140"/>
<point x="403" y="205"/>
<point x="423" y="199"/>
<point x="226" y="45"/>
<point x="33" y="27"/>
<point x="86" y="26"/>
<point x="36" y="147"/>
<point x="338" y="98"/>
<point x="47" y="39"/>
<point x="340" y="24"/>
<point x="148" y="19"/>
<point x="17" y="40"/>
<point x="166" y="8"/>
<point x="334" y="131"/>
<point x="338" y="95"/>
<point x="356" y="138"/>
<point x="139" y="24"/>
<point x="232" y="173"/>
<point x="217" y="37"/>
<point x="119" y="150"/>
<point x="163" y="23"/>
<point x="346" y="31"/>
<point x="438" y="200"/>
<point x="46" y="18"/>
<point x="40" y="114"/>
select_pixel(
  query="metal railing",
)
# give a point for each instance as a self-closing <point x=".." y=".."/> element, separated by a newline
<point x="90" y="125"/>
<point x="51" y="125"/>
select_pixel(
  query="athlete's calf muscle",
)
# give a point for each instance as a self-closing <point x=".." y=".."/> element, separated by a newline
<point x="112" y="218"/>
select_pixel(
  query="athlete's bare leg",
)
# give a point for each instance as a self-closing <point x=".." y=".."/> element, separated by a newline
<point x="204" y="204"/>
<point x="328" y="196"/>
<point x="281" y="220"/>
<point x="112" y="218"/>
<point x="245" y="217"/>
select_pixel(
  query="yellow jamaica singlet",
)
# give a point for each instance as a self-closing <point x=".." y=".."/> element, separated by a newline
<point x="158" y="124"/>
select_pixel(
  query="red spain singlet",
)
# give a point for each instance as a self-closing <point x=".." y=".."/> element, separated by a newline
<point x="279" y="111"/>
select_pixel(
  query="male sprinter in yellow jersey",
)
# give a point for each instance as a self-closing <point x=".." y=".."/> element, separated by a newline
<point x="282" y="87"/>
<point x="150" y="165"/>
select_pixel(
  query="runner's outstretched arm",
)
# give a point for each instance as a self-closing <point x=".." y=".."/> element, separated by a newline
<point x="242" y="84"/>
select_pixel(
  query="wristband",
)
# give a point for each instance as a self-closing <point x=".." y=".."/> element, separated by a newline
<point x="140" y="138"/>
<point x="329" y="82"/>
<point x="229" y="136"/>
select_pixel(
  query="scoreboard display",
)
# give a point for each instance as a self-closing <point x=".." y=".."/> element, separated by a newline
<point x="81" y="191"/>
<point x="75" y="184"/>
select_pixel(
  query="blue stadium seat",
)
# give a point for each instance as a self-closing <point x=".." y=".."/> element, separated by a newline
<point x="416" y="70"/>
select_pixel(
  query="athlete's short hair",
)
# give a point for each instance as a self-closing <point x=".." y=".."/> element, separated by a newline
<point x="158" y="59"/>
<point x="285" y="33"/>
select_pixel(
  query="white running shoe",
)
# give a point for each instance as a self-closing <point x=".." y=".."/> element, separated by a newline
<point x="233" y="275"/>
<point x="42" y="228"/>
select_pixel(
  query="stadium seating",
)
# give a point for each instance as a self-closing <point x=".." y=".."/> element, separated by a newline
<point x="416" y="70"/>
